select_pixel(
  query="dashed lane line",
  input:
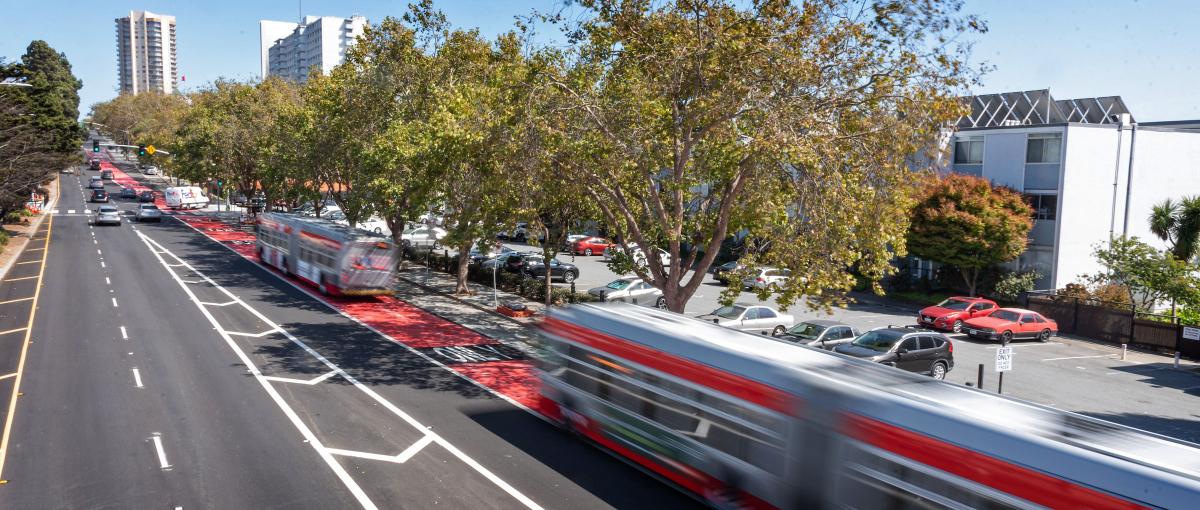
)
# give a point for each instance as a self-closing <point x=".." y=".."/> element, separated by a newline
<point x="162" y="454"/>
<point x="137" y="378"/>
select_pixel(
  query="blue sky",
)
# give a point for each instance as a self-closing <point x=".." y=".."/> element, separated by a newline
<point x="1145" y="51"/>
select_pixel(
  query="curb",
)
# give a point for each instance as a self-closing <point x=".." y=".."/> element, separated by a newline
<point x="463" y="301"/>
<point x="35" y="226"/>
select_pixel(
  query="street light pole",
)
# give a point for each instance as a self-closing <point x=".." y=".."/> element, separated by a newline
<point x="495" y="293"/>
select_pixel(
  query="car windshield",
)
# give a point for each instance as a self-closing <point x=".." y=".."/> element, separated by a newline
<point x="729" y="312"/>
<point x="619" y="284"/>
<point x="879" y="341"/>
<point x="148" y="207"/>
<point x="955" y="304"/>
<point x="107" y="209"/>
<point x="806" y="330"/>
<point x="729" y="266"/>
<point x="1005" y="315"/>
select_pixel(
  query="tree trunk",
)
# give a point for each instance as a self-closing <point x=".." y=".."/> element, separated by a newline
<point x="676" y="298"/>
<point x="547" y="256"/>
<point x="460" y="283"/>
<point x="970" y="275"/>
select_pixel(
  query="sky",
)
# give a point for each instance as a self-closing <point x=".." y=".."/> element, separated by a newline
<point x="1142" y="50"/>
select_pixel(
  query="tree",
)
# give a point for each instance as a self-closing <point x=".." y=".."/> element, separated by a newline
<point x="792" y="122"/>
<point x="1178" y="223"/>
<point x="966" y="222"/>
<point x="148" y="118"/>
<point x="28" y="158"/>
<point x="1149" y="275"/>
<point x="54" y="96"/>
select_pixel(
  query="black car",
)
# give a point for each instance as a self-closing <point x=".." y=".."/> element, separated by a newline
<point x="724" y="272"/>
<point x="94" y="164"/>
<point x="565" y="271"/>
<point x="146" y="196"/>
<point x="127" y="192"/>
<point x="820" y="333"/>
<point x="99" y="195"/>
<point x="106" y="175"/>
<point x="915" y="350"/>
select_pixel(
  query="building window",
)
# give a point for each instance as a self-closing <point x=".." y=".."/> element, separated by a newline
<point x="1045" y="207"/>
<point x="968" y="151"/>
<point x="1044" y="148"/>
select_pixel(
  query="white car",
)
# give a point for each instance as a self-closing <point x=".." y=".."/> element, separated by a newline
<point x="150" y="170"/>
<point x="416" y="235"/>
<point x="630" y="290"/>
<point x="108" y="215"/>
<point x="751" y="318"/>
<point x="767" y="278"/>
<point x="639" y="257"/>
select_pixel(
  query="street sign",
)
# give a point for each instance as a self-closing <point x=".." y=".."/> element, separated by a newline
<point x="1004" y="359"/>
<point x="1191" y="333"/>
<point x="149" y="149"/>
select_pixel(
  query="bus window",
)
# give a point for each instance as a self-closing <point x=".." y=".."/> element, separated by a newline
<point x="871" y="480"/>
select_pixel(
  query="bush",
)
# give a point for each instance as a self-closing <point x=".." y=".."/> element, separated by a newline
<point x="1012" y="285"/>
<point x="13" y="217"/>
<point x="3" y="238"/>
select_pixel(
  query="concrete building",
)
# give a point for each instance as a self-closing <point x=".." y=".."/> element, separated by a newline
<point x="291" y="50"/>
<point x="1087" y="167"/>
<point x="146" y="53"/>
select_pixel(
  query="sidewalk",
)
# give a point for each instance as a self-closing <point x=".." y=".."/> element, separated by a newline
<point x="481" y="297"/>
<point x="19" y="234"/>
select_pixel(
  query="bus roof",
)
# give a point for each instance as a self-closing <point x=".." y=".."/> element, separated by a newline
<point x="326" y="228"/>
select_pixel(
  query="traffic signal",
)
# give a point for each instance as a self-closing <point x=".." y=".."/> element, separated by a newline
<point x="141" y="150"/>
<point x="95" y="145"/>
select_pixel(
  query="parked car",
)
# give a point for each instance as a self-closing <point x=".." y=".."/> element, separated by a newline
<point x="108" y="215"/>
<point x="148" y="212"/>
<point x="570" y="240"/>
<point x="127" y="192"/>
<point x="519" y="233"/>
<point x="150" y="170"/>
<point x="146" y="196"/>
<point x="1006" y="324"/>
<point x="590" y="245"/>
<point x="724" y="272"/>
<point x="630" y="290"/>
<point x="511" y="261"/>
<point x="950" y="314"/>
<point x="99" y="195"/>
<point x="490" y="252"/>
<point x="913" y="349"/>
<point x="416" y="235"/>
<point x="820" y="333"/>
<point x="535" y="266"/>
<point x="95" y="183"/>
<point x="639" y="257"/>
<point x="106" y="175"/>
<point x="751" y="318"/>
<point x="767" y="278"/>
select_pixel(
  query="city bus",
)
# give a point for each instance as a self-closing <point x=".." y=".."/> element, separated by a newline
<point x="335" y="258"/>
<point x="745" y="421"/>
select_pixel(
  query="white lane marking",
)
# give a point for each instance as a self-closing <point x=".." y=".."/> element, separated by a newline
<point x="472" y="463"/>
<point x="310" y="382"/>
<point x="98" y="252"/>
<point x="114" y="302"/>
<point x="162" y="454"/>
<point x="102" y="264"/>
<point x="254" y="335"/>
<point x="70" y="211"/>
<point x="399" y="458"/>
<point x="137" y="378"/>
<point x="1080" y="357"/>
<point x="124" y="336"/>
<point x="227" y="303"/>
<point x="308" y="434"/>
<point x="107" y="281"/>
<point x="94" y="241"/>
<point x="6" y="376"/>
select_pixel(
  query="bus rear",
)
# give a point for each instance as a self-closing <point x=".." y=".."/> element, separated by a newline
<point x="368" y="268"/>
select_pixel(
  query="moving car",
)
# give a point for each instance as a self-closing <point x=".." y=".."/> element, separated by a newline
<point x="146" y="196"/>
<point x="127" y="192"/>
<point x="630" y="290"/>
<point x="950" y="314"/>
<point x="535" y="266"/>
<point x="148" y="212"/>
<point x="99" y="195"/>
<point x="750" y="318"/>
<point x="767" y="278"/>
<point x="94" y="164"/>
<point x="150" y="170"/>
<point x="912" y="349"/>
<point x="724" y="272"/>
<point x="1008" y="323"/>
<point x="108" y="215"/>
<point x="820" y="333"/>
<point x="95" y="183"/>
<point x="589" y="246"/>
<point x="106" y="175"/>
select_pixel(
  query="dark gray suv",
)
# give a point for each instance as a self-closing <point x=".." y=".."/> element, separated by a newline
<point x="915" y="350"/>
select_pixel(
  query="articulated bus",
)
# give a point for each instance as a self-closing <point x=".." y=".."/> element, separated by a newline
<point x="332" y="256"/>
<point x="750" y="422"/>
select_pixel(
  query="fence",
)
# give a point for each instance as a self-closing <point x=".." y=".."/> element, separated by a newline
<point x="1112" y="323"/>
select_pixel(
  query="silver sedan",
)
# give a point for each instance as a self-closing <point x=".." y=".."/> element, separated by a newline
<point x="108" y="215"/>
<point x="148" y="212"/>
<point x="630" y="290"/>
<point x="751" y="318"/>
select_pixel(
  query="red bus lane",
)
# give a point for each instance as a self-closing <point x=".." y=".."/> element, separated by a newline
<point x="501" y="368"/>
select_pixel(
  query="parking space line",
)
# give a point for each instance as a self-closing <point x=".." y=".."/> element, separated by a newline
<point x="310" y="382"/>
<point x="1039" y="344"/>
<point x="13" y="331"/>
<point x="1080" y="357"/>
<point x="29" y="262"/>
<point x="7" y="376"/>
<point x="19" y="279"/>
<point x="16" y="300"/>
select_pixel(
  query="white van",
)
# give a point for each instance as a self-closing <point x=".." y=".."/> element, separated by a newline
<point x="185" y="197"/>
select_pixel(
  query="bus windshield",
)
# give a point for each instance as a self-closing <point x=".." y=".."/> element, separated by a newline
<point x="378" y="256"/>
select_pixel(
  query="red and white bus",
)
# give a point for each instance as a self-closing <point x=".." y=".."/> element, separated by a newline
<point x="747" y="421"/>
<point x="332" y="256"/>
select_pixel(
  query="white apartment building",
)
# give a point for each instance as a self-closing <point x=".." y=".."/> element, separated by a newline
<point x="291" y="50"/>
<point x="1087" y="167"/>
<point x="146" y="53"/>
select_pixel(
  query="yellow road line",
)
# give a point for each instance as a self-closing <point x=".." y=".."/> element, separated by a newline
<point x="12" y="403"/>
<point x="16" y="300"/>
<point x="22" y="278"/>
<point x="12" y="331"/>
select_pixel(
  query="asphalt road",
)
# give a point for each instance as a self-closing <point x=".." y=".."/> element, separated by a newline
<point x="165" y="371"/>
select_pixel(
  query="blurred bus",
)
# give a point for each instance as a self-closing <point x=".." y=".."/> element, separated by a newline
<point x="750" y="422"/>
<point x="335" y="258"/>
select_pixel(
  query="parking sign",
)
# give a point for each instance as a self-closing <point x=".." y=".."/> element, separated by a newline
<point x="1004" y="359"/>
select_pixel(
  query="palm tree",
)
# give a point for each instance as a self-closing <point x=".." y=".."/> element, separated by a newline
<point x="1178" y="223"/>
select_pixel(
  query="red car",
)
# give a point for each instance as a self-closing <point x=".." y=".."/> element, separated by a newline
<point x="590" y="246"/>
<point x="950" y="314"/>
<point x="1008" y="323"/>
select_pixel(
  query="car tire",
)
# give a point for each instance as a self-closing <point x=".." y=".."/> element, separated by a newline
<point x="587" y="252"/>
<point x="938" y="370"/>
<point x="778" y="330"/>
<point x="1006" y="337"/>
<point x="660" y="303"/>
<point x="569" y="276"/>
<point x="957" y="327"/>
<point x="1044" y="336"/>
